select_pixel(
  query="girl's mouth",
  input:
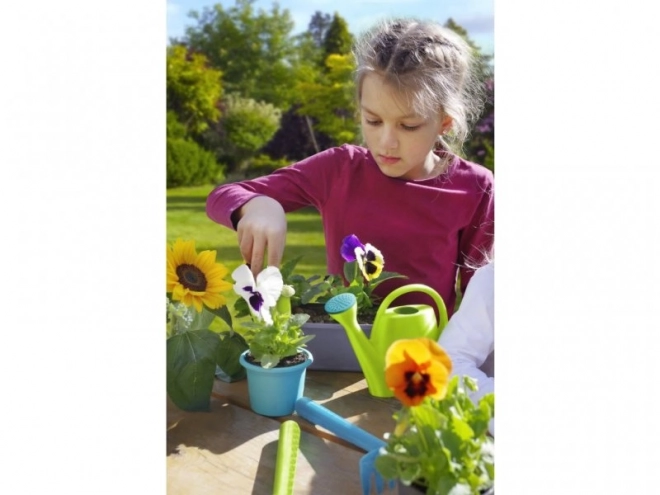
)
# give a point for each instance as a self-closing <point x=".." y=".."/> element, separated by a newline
<point x="388" y="160"/>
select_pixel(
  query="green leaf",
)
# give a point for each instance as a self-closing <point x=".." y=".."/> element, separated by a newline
<point x="232" y="345"/>
<point x="202" y="320"/>
<point x="191" y="367"/>
<point x="269" y="361"/>
<point x="223" y="313"/>
<point x="350" y="271"/>
<point x="385" y="276"/>
<point x="241" y="308"/>
<point x="461" y="428"/>
<point x="287" y="268"/>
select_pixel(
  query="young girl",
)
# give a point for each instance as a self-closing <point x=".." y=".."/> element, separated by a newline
<point x="405" y="192"/>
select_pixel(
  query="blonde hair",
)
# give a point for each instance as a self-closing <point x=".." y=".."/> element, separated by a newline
<point x="432" y="66"/>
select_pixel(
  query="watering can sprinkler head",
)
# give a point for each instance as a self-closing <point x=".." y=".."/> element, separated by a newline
<point x="342" y="307"/>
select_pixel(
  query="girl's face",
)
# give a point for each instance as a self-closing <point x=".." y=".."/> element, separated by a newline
<point x="400" y="141"/>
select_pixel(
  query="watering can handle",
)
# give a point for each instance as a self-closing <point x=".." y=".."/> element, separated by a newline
<point x="442" y="309"/>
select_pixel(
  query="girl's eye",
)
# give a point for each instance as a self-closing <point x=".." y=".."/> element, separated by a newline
<point x="410" y="127"/>
<point x="372" y="122"/>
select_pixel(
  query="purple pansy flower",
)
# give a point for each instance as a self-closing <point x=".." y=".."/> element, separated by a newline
<point x="369" y="259"/>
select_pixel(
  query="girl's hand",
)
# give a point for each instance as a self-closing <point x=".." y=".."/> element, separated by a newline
<point x="261" y="227"/>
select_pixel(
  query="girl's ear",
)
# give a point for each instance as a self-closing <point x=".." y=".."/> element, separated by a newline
<point x="446" y="124"/>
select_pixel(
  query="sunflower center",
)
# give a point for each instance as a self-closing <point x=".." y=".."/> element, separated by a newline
<point x="191" y="277"/>
<point x="417" y="383"/>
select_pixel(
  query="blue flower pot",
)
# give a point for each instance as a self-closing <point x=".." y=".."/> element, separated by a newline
<point x="274" y="391"/>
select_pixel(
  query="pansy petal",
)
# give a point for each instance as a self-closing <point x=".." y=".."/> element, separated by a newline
<point x="437" y="353"/>
<point x="404" y="349"/>
<point x="372" y="263"/>
<point x="270" y="284"/>
<point x="244" y="279"/>
<point x="348" y="246"/>
<point x="438" y="380"/>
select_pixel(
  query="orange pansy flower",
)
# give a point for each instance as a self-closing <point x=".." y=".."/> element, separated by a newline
<point x="415" y="369"/>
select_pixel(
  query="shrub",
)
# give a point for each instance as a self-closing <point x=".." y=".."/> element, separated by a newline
<point x="188" y="164"/>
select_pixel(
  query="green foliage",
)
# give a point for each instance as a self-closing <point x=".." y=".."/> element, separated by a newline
<point x="269" y="344"/>
<point x="194" y="352"/>
<point x="191" y="368"/>
<point x="443" y="445"/>
<point x="188" y="164"/>
<point x="193" y="89"/>
<point x="263" y="164"/>
<point x="330" y="99"/>
<point x="254" y="50"/>
<point x="337" y="40"/>
<point x="248" y="125"/>
<point x="319" y="289"/>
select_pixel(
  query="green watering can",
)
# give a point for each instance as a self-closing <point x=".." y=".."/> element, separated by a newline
<point x="400" y="322"/>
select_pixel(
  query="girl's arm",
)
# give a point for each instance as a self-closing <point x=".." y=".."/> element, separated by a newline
<point x="468" y="338"/>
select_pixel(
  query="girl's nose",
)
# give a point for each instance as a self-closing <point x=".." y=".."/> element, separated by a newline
<point x="388" y="138"/>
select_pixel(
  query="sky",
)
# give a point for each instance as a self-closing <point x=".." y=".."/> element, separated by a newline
<point x="476" y="16"/>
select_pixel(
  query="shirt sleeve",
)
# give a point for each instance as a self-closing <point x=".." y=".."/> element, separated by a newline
<point x="476" y="241"/>
<point x="468" y="337"/>
<point x="306" y="183"/>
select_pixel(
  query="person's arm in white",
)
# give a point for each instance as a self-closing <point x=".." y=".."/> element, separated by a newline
<point x="468" y="337"/>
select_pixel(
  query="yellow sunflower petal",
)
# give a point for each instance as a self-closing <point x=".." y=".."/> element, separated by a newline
<point x="213" y="301"/>
<point x="205" y="260"/>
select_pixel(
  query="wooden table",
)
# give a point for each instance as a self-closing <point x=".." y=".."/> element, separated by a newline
<point x="232" y="450"/>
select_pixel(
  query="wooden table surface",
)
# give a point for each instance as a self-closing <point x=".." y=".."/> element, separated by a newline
<point x="232" y="450"/>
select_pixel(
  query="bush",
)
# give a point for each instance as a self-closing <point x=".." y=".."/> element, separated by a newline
<point x="188" y="164"/>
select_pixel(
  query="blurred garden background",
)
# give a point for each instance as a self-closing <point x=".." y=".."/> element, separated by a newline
<point x="245" y="97"/>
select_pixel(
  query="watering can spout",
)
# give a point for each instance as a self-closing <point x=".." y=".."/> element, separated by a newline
<point x="343" y="309"/>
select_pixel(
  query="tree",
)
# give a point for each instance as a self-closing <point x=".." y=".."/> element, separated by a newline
<point x="338" y="40"/>
<point x="318" y="26"/>
<point x="246" y="126"/>
<point x="331" y="99"/>
<point x="193" y="89"/>
<point x="254" y="50"/>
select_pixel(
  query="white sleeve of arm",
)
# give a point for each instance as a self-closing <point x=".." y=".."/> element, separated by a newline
<point x="468" y="337"/>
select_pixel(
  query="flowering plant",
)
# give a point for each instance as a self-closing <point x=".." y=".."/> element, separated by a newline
<point x="274" y="334"/>
<point x="197" y="345"/>
<point x="440" y="442"/>
<point x="363" y="270"/>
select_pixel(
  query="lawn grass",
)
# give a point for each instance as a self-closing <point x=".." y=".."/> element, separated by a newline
<point x="186" y="219"/>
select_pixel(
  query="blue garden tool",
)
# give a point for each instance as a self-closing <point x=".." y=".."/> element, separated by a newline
<point x="322" y="416"/>
<point x="400" y="322"/>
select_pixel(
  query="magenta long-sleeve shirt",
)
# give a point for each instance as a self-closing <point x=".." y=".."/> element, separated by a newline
<point x="426" y="229"/>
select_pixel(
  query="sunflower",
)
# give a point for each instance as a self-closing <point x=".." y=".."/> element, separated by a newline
<point x="195" y="279"/>
<point x="415" y="369"/>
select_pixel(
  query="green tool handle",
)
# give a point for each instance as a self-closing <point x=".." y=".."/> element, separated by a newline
<point x="287" y="455"/>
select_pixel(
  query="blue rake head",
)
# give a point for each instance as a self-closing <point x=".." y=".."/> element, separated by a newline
<point x="368" y="470"/>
